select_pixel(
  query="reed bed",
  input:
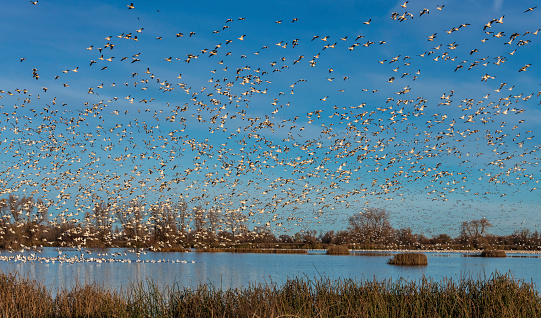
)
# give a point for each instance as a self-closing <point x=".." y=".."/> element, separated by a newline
<point x="338" y="250"/>
<point x="409" y="259"/>
<point x="493" y="253"/>
<point x="355" y="253"/>
<point x="496" y="296"/>
<point x="252" y="250"/>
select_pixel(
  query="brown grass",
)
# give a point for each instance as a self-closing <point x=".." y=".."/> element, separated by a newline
<point x="409" y="259"/>
<point x="23" y="298"/>
<point x="493" y="253"/>
<point x="372" y="254"/>
<point x="338" y="250"/>
<point x="496" y="296"/>
<point x="90" y="301"/>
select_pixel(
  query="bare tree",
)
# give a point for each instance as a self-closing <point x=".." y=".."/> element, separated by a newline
<point x="199" y="229"/>
<point x="214" y="218"/>
<point x="371" y="226"/>
<point x="405" y="237"/>
<point x="199" y="219"/>
<point x="18" y="206"/>
<point x="101" y="221"/>
<point x="4" y="221"/>
<point x="132" y="217"/>
<point x="3" y="207"/>
<point x="473" y="231"/>
<point x="41" y="212"/>
<point x="22" y="217"/>
<point x="235" y="222"/>
<point x="327" y="238"/>
<point x="181" y="209"/>
<point x="164" y="218"/>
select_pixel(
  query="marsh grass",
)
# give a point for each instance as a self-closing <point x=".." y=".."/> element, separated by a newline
<point x="23" y="297"/>
<point x="89" y="301"/>
<point x="493" y="253"/>
<point x="338" y="250"/>
<point x="409" y="259"/>
<point x="496" y="296"/>
<point x="355" y="253"/>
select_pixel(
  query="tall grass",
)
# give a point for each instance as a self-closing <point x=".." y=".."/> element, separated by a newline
<point x="493" y="253"/>
<point x="409" y="259"/>
<point x="24" y="298"/>
<point x="496" y="296"/>
<point x="338" y="250"/>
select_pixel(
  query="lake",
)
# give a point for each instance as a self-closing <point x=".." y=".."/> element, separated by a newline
<point x="118" y="268"/>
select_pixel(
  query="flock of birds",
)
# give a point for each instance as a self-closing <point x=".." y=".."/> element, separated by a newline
<point x="84" y="256"/>
<point x="240" y="145"/>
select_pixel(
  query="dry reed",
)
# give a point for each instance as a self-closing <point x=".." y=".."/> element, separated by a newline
<point x="364" y="253"/>
<point x="338" y="250"/>
<point x="20" y="297"/>
<point x="409" y="259"/>
<point x="496" y="296"/>
<point x="493" y="253"/>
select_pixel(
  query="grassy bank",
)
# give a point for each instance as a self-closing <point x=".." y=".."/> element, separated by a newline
<point x="495" y="296"/>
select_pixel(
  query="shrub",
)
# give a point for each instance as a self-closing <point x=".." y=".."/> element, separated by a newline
<point x="338" y="250"/>
<point x="409" y="259"/>
<point x="493" y="253"/>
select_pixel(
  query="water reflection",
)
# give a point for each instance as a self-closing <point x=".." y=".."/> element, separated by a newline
<point x="119" y="268"/>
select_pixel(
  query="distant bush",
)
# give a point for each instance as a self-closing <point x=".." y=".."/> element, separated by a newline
<point x="338" y="250"/>
<point x="493" y="253"/>
<point x="409" y="259"/>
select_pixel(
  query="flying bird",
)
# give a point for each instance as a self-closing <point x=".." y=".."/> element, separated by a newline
<point x="523" y="69"/>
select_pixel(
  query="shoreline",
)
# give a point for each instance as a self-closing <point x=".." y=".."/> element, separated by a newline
<point x="292" y="251"/>
<point x="435" y="251"/>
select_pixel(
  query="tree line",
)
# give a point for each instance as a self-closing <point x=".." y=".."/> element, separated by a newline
<point x="172" y="225"/>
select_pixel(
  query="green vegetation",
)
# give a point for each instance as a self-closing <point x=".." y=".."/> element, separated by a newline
<point x="409" y="259"/>
<point x="337" y="250"/>
<point x="493" y="253"/>
<point x="495" y="296"/>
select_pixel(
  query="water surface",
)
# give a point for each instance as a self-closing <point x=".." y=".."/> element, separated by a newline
<point x="231" y="270"/>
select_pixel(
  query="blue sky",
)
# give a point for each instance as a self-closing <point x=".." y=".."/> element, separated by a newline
<point x="408" y="116"/>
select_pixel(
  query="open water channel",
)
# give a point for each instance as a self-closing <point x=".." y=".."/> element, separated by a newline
<point x="118" y="268"/>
